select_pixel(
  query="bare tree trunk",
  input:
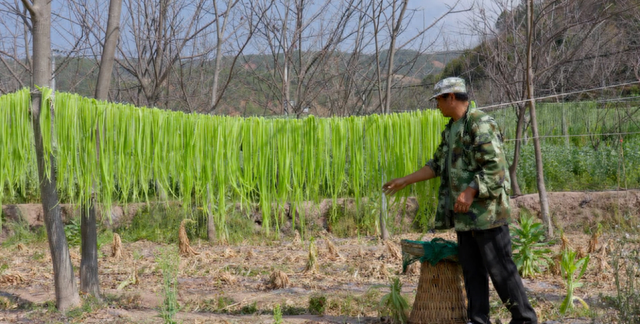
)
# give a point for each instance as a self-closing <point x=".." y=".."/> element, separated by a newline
<point x="394" y="36"/>
<point x="216" y="67"/>
<point x="542" y="191"/>
<point x="89" y="280"/>
<point x="515" y="187"/>
<point x="64" y="279"/>
<point x="109" y="50"/>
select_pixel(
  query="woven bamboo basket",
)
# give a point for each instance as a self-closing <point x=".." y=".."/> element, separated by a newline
<point x="441" y="298"/>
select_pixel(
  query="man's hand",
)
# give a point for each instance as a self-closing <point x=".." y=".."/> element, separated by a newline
<point x="394" y="186"/>
<point x="464" y="200"/>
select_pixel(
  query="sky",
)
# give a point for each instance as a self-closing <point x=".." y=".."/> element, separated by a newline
<point x="451" y="33"/>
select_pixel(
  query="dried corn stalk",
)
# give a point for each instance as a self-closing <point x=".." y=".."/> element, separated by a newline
<point x="554" y="267"/>
<point x="413" y="269"/>
<point x="333" y="253"/>
<point x="296" y="238"/>
<point x="250" y="254"/>
<point x="228" y="253"/>
<point x="383" y="272"/>
<point x="593" y="241"/>
<point x="278" y="280"/>
<point x="565" y="242"/>
<point x="579" y="253"/>
<point x="313" y="258"/>
<point x="393" y="250"/>
<point x="116" y="247"/>
<point x="132" y="279"/>
<point x="185" y="248"/>
<point x="11" y="279"/>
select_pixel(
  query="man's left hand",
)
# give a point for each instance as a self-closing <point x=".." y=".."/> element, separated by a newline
<point x="464" y="200"/>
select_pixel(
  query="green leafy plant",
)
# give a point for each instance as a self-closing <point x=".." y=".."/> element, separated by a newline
<point x="627" y="299"/>
<point x="317" y="305"/>
<point x="277" y="314"/>
<point x="394" y="304"/>
<point x="530" y="250"/>
<point x="72" y="232"/>
<point x="168" y="262"/>
<point x="248" y="309"/>
<point x="22" y="233"/>
<point x="569" y="267"/>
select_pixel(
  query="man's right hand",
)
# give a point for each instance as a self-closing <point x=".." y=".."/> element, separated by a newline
<point x="394" y="186"/>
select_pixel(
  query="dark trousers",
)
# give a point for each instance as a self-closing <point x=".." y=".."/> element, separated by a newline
<point x="488" y="253"/>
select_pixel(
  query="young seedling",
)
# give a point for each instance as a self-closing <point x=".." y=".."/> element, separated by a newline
<point x="569" y="265"/>
<point x="394" y="304"/>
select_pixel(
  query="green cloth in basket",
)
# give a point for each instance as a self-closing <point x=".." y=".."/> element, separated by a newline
<point x="434" y="251"/>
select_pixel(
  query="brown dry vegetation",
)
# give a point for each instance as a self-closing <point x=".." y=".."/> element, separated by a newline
<point x="245" y="281"/>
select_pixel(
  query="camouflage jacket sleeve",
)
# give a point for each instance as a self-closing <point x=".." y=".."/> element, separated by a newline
<point x="438" y="157"/>
<point x="488" y="152"/>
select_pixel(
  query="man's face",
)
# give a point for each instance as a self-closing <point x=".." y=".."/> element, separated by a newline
<point x="445" y="104"/>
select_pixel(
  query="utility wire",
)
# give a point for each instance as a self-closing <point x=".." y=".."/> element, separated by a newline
<point x="560" y="95"/>
<point x="575" y="135"/>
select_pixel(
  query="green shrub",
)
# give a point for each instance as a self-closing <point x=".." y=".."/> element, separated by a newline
<point x="248" y="309"/>
<point x="394" y="304"/>
<point x="317" y="305"/>
<point x="530" y="251"/>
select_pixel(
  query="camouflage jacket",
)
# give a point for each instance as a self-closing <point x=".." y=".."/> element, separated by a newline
<point x="477" y="160"/>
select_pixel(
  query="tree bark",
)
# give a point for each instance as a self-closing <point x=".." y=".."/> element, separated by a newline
<point x="542" y="191"/>
<point x="89" y="281"/>
<point x="64" y="279"/>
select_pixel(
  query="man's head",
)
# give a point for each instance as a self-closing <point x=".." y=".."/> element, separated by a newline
<point x="452" y="97"/>
<point x="449" y="85"/>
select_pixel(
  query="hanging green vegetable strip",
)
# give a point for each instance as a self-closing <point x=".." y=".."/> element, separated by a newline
<point x="218" y="159"/>
<point x="312" y="178"/>
<point x="356" y="158"/>
<point x="20" y="141"/>
<point x="5" y="158"/>
<point x="16" y="139"/>
<point x="106" y="161"/>
<point x="298" y="170"/>
<point x="370" y="154"/>
<point x="248" y="158"/>
<point x="265" y="171"/>
<point x="338" y="158"/>
<point x="220" y="177"/>
<point x="283" y="173"/>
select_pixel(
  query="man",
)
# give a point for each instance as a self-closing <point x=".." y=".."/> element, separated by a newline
<point x="473" y="198"/>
